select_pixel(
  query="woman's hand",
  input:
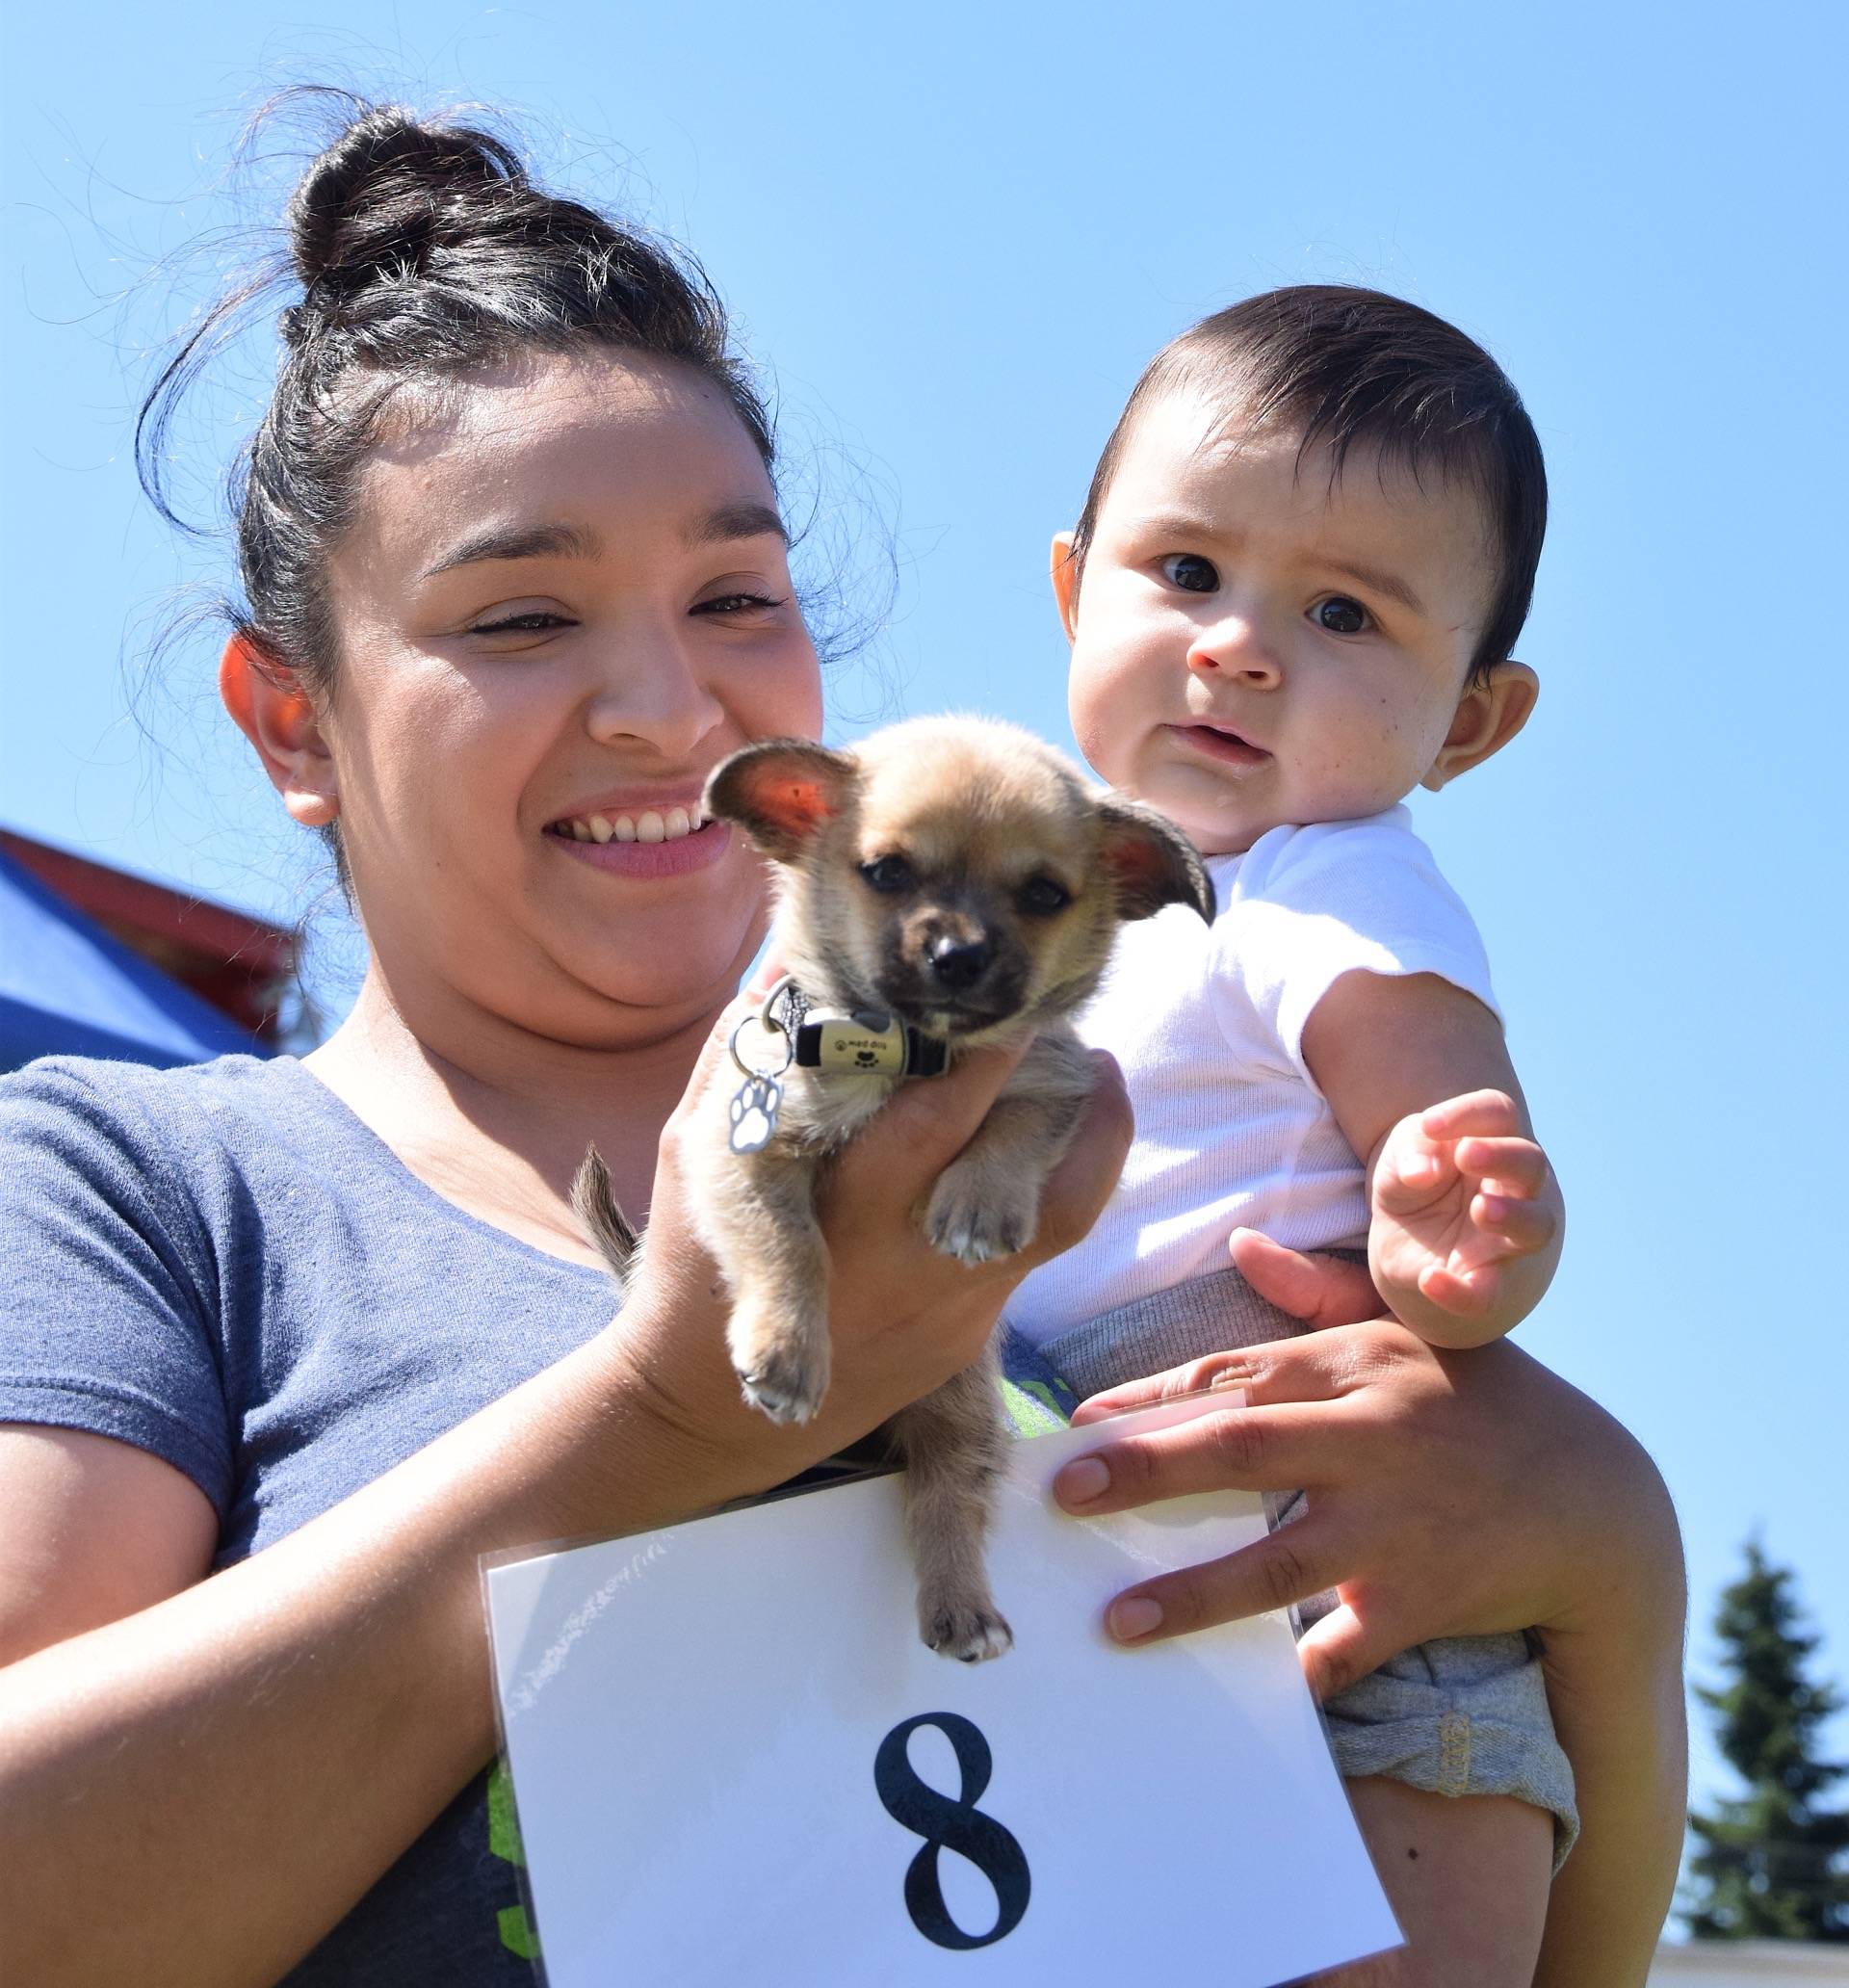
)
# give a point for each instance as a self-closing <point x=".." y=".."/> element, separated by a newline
<point x="1450" y="1494"/>
<point x="904" y="1318"/>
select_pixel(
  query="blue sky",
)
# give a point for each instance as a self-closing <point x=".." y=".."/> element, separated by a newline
<point x="953" y="242"/>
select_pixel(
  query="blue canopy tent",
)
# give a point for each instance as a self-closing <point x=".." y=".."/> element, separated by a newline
<point x="68" y="988"/>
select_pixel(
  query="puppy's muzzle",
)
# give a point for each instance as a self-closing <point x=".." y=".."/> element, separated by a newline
<point x="957" y="964"/>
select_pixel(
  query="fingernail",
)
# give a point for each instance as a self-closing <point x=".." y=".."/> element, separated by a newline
<point x="1134" y="1616"/>
<point x="1078" y="1483"/>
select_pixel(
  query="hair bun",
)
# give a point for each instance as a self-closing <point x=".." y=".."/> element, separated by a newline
<point x="387" y="191"/>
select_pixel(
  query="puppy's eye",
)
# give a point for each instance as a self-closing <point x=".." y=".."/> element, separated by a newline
<point x="1043" y="895"/>
<point x="889" y="874"/>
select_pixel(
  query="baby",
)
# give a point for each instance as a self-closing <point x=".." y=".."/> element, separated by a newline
<point x="1306" y="554"/>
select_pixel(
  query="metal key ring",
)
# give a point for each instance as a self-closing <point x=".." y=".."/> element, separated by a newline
<point x="764" y="1022"/>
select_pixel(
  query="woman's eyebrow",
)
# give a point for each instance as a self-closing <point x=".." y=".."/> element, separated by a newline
<point x="517" y="543"/>
<point x="731" y="521"/>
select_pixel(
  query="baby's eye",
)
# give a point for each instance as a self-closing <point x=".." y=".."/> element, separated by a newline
<point x="1341" y="615"/>
<point x="1191" y="572"/>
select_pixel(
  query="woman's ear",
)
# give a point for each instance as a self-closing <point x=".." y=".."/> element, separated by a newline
<point x="275" y="714"/>
<point x="1065" y="582"/>
<point x="1489" y="715"/>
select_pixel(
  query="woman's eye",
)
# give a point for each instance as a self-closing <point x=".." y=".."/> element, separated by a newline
<point x="887" y="874"/>
<point x="1191" y="572"/>
<point x="533" y="621"/>
<point x="1341" y="615"/>
<point x="724" y="605"/>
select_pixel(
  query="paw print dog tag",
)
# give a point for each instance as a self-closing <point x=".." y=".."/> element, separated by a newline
<point x="754" y="1113"/>
<point x="763" y="1051"/>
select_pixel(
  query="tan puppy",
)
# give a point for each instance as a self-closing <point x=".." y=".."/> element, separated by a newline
<point x="958" y="875"/>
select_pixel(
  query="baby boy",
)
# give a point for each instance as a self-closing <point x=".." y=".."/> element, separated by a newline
<point x="1305" y="557"/>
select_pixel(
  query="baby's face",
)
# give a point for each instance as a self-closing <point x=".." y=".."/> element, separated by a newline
<point x="1255" y="647"/>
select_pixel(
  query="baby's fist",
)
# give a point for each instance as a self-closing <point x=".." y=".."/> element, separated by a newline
<point x="1459" y="1193"/>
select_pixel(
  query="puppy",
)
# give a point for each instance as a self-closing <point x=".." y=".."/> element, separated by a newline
<point x="959" y="877"/>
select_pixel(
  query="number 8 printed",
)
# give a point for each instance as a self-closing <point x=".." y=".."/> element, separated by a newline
<point x="950" y="1825"/>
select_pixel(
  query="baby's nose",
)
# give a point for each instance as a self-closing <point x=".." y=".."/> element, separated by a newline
<point x="1238" y="650"/>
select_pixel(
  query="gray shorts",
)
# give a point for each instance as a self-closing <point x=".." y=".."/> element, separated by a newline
<point x="1463" y="1715"/>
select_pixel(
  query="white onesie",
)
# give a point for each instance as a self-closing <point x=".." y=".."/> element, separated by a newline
<point x="1208" y="1023"/>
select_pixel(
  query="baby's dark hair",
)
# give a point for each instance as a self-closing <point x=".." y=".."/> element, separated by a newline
<point x="424" y="252"/>
<point x="1349" y="366"/>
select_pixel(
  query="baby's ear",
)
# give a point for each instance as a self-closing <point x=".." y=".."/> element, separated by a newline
<point x="1489" y="715"/>
<point x="780" y="792"/>
<point x="1151" y="862"/>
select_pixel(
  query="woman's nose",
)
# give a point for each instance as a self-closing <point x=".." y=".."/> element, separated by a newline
<point x="654" y="693"/>
<point x="1236" y="648"/>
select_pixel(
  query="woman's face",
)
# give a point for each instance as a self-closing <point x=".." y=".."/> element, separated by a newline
<point x="564" y="598"/>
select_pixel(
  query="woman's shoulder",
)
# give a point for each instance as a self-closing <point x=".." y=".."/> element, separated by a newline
<point x="134" y="1098"/>
<point x="179" y="1119"/>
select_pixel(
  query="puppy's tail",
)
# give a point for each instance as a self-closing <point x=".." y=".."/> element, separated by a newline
<point x="595" y="1206"/>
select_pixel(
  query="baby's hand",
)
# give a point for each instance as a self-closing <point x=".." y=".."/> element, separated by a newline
<point x="1466" y="1220"/>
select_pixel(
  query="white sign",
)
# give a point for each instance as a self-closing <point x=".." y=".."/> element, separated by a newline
<point x="737" y="1767"/>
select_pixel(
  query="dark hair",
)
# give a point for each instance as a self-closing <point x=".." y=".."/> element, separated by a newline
<point x="424" y="252"/>
<point x="1346" y="367"/>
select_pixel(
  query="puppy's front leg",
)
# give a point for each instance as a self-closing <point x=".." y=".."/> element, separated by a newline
<point x="954" y="1443"/>
<point x="771" y="1252"/>
<point x="986" y="1203"/>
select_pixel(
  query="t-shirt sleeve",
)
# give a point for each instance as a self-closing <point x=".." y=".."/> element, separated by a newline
<point x="1310" y="904"/>
<point x="106" y="1276"/>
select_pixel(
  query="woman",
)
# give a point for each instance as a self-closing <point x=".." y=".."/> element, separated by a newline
<point x="327" y="1332"/>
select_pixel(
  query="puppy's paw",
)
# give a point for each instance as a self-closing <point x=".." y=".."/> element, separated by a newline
<point x="782" y="1374"/>
<point x="970" y="1631"/>
<point x="786" y="1389"/>
<point x="975" y="1217"/>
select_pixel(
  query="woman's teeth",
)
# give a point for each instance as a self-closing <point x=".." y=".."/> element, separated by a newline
<point x="667" y="825"/>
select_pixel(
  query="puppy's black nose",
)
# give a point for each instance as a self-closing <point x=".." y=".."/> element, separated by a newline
<point x="960" y="963"/>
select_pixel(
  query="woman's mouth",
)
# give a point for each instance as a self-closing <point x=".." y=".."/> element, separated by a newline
<point x="650" y="825"/>
<point x="646" y="842"/>
<point x="1221" y="745"/>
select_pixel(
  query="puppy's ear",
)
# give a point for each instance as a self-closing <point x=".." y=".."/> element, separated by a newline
<point x="1153" y="862"/>
<point x="780" y="792"/>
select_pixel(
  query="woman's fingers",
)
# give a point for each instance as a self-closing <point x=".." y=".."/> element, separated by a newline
<point x="1342" y="1647"/>
<point x="924" y="1125"/>
<point x="1286" y="1566"/>
<point x="1079" y="1187"/>
<point x="1228" y="1448"/>
<point x="1320" y="1290"/>
<point x="1318" y="1366"/>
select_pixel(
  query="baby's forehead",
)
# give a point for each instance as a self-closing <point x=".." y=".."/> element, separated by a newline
<point x="1198" y="448"/>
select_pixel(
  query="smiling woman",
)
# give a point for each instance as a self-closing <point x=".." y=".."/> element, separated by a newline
<point x="515" y="582"/>
<point x="572" y="590"/>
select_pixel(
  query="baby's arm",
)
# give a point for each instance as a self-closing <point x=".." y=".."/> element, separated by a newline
<point x="1467" y="1215"/>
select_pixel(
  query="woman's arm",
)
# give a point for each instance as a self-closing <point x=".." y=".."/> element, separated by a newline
<point x="166" y="1778"/>
<point x="1452" y="1494"/>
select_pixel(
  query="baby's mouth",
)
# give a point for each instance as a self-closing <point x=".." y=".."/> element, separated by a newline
<point x="1222" y="744"/>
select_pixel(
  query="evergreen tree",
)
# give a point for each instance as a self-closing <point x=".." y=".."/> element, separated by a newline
<point x="1770" y="1866"/>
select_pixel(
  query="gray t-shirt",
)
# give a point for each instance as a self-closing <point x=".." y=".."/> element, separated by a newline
<point x="223" y="1265"/>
